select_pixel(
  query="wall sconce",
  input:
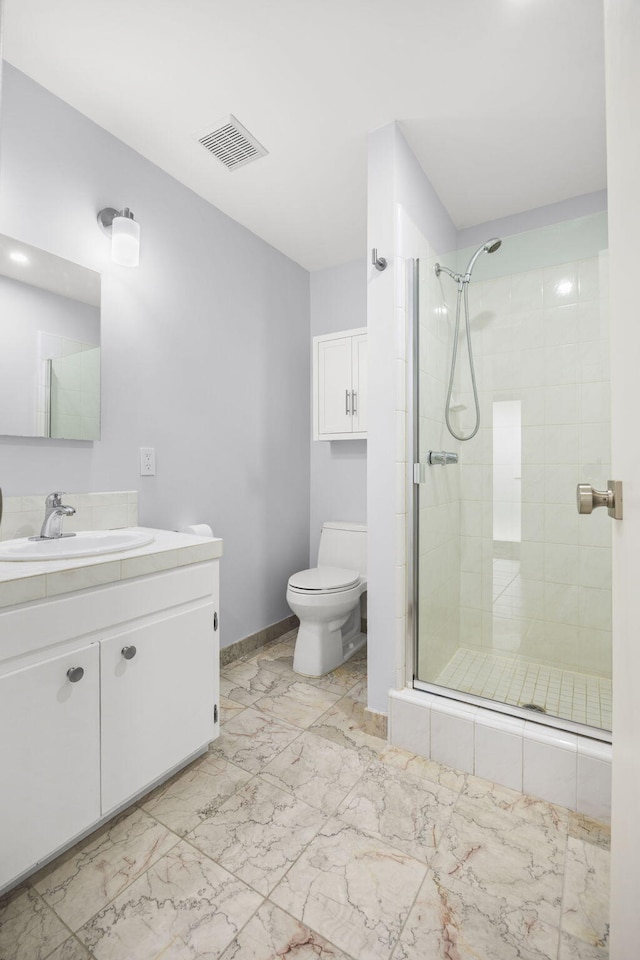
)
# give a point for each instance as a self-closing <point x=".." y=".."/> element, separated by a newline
<point x="125" y="235"/>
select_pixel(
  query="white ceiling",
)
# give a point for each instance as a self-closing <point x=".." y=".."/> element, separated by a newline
<point x="502" y="100"/>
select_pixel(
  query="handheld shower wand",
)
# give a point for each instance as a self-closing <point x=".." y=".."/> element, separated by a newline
<point x="463" y="280"/>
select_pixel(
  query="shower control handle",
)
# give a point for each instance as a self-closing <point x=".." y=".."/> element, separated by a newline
<point x="442" y="456"/>
<point x="588" y="499"/>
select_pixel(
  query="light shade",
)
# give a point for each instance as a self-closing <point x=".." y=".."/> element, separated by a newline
<point x="125" y="235"/>
<point x="125" y="241"/>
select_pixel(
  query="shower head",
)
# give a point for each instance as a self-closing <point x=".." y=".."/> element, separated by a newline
<point x="489" y="246"/>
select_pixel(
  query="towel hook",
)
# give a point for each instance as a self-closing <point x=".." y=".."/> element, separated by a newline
<point x="378" y="262"/>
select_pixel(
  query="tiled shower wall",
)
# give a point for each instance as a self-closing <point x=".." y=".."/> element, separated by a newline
<point x="540" y="338"/>
<point x="74" y="391"/>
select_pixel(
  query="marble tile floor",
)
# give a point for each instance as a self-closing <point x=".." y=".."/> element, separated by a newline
<point x="299" y="835"/>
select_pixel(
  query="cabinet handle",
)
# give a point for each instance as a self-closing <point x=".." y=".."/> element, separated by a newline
<point x="215" y="621"/>
<point x="74" y="674"/>
<point x="346" y="402"/>
<point x="353" y="402"/>
<point x="129" y="652"/>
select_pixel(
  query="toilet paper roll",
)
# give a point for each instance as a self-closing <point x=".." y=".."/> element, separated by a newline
<point x="198" y="530"/>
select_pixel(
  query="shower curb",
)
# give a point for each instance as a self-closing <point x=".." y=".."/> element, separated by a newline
<point x="568" y="769"/>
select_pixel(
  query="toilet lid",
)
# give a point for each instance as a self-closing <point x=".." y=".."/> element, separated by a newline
<point x="324" y="579"/>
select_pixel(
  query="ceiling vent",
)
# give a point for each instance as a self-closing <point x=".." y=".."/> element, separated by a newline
<point x="231" y="143"/>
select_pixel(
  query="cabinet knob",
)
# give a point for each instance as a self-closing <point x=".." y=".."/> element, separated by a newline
<point x="74" y="674"/>
<point x="129" y="652"/>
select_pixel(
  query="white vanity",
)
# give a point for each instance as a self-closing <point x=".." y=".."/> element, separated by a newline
<point x="108" y="683"/>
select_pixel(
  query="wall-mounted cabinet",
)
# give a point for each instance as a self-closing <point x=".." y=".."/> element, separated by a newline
<point x="340" y="385"/>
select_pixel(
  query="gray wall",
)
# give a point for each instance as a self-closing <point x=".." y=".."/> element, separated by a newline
<point x="553" y="213"/>
<point x="338" y="467"/>
<point x="204" y="345"/>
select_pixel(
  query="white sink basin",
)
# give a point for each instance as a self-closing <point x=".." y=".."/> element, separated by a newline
<point x="91" y="543"/>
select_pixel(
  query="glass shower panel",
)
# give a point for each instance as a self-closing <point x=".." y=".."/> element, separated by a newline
<point x="514" y="587"/>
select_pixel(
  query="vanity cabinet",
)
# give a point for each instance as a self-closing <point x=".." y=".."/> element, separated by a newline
<point x="104" y="692"/>
<point x="50" y="756"/>
<point x="340" y="385"/>
<point x="157" y="699"/>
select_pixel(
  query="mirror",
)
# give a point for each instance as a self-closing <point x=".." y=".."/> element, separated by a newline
<point x="49" y="345"/>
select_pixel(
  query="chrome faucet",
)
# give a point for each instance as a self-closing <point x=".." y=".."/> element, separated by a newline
<point x="55" y="512"/>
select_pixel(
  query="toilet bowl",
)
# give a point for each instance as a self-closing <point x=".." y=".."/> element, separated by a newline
<point x="326" y="599"/>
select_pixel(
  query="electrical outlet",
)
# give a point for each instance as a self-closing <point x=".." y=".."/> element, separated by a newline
<point x="147" y="462"/>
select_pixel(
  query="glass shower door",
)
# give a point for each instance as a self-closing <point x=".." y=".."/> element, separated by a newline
<point x="513" y="586"/>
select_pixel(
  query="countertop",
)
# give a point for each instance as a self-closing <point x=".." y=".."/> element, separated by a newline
<point x="21" y="582"/>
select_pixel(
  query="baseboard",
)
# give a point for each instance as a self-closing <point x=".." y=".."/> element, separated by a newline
<point x="375" y="724"/>
<point x="248" y="645"/>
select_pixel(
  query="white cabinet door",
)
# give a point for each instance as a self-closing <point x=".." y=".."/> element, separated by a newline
<point x="340" y="385"/>
<point x="359" y="368"/>
<point x="157" y="707"/>
<point x="334" y="386"/>
<point x="49" y="757"/>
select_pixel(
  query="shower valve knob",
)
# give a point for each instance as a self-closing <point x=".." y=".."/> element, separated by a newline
<point x="588" y="499"/>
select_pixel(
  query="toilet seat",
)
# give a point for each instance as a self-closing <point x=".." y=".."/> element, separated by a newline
<point x="323" y="580"/>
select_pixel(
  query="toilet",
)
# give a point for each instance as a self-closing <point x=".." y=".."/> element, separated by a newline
<point x="326" y="599"/>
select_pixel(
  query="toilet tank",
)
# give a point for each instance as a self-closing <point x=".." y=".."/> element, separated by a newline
<point x="343" y="545"/>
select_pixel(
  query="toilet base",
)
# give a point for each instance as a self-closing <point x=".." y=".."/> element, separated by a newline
<point x="323" y="646"/>
<point x="358" y="644"/>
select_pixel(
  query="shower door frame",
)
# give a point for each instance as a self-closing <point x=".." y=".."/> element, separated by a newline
<point x="416" y="476"/>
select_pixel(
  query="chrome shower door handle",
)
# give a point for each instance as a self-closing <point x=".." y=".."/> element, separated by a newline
<point x="347" y="394"/>
<point x="442" y="456"/>
<point x="588" y="499"/>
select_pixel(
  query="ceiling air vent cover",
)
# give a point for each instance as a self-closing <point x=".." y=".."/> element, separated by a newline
<point x="231" y="143"/>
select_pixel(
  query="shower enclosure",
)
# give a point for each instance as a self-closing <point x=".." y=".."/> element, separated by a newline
<point x="512" y="587"/>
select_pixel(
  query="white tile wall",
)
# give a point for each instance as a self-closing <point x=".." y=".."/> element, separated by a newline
<point x="563" y="768"/>
<point x="540" y="338"/>
<point x="75" y="390"/>
<point x="594" y="779"/>
<point x="549" y="765"/>
<point x="498" y="750"/>
<point x="452" y="735"/>
<point x="411" y="727"/>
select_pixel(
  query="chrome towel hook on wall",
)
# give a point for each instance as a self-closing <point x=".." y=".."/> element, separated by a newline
<point x="378" y="262"/>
